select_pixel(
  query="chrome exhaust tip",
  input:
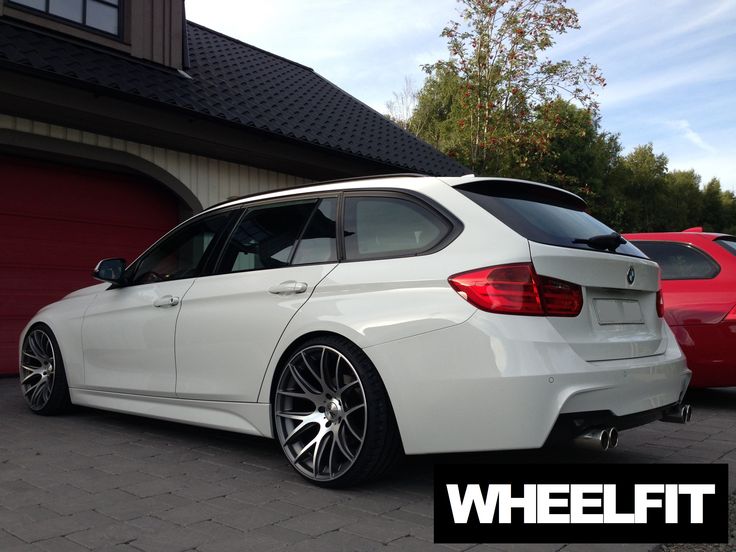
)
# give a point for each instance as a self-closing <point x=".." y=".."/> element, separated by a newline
<point x="612" y="438"/>
<point x="681" y="414"/>
<point x="600" y="438"/>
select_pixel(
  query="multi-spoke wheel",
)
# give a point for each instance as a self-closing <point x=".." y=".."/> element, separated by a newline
<point x="42" y="377"/>
<point x="331" y="414"/>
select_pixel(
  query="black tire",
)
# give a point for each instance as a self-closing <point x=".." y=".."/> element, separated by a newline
<point x="40" y="342"/>
<point x="381" y="446"/>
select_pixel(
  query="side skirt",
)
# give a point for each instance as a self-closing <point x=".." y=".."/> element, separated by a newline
<point x="250" y="418"/>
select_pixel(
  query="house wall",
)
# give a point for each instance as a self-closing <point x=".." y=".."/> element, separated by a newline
<point x="151" y="29"/>
<point x="156" y="31"/>
<point x="210" y="180"/>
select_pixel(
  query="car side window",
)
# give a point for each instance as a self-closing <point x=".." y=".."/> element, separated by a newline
<point x="266" y="236"/>
<point x="181" y="254"/>
<point x="318" y="243"/>
<point x="384" y="227"/>
<point x="679" y="261"/>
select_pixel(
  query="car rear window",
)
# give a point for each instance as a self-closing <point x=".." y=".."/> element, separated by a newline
<point x="542" y="214"/>
<point x="680" y="261"/>
<point x="729" y="244"/>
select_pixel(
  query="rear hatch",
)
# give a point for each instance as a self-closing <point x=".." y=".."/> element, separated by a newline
<point x="619" y="317"/>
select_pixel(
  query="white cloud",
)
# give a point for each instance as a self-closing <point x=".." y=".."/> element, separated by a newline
<point x="683" y="126"/>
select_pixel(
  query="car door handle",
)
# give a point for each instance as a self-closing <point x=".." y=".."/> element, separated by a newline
<point x="289" y="287"/>
<point x="166" y="301"/>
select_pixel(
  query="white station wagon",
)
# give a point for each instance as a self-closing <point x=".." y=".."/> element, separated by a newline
<point x="352" y="320"/>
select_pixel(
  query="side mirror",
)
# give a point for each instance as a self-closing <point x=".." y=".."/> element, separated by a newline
<point x="110" y="270"/>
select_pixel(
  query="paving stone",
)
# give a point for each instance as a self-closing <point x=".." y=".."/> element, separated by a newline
<point x="410" y="517"/>
<point x="536" y="547"/>
<point x="412" y="544"/>
<point x="64" y="504"/>
<point x="379" y="529"/>
<point x="216" y="531"/>
<point x="249" y="517"/>
<point x="316" y="523"/>
<point x="249" y="542"/>
<point x="610" y="547"/>
<point x="280" y="533"/>
<point x="97" y="537"/>
<point x="152" y="487"/>
<point x="189" y="513"/>
<point x="7" y="540"/>
<point x="336" y="541"/>
<point x="377" y="504"/>
<point x="180" y="539"/>
<point x="61" y="544"/>
<point x="56" y="527"/>
<point x="135" y="507"/>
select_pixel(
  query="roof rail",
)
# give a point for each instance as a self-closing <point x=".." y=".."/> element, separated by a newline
<point x="350" y="179"/>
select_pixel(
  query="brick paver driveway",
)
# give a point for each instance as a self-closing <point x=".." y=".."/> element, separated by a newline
<point x="102" y="481"/>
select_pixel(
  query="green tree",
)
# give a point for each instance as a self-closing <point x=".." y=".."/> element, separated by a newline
<point x="682" y="205"/>
<point x="714" y="210"/>
<point x="579" y="156"/>
<point x="504" y="81"/>
<point x="437" y="111"/>
<point x="643" y="189"/>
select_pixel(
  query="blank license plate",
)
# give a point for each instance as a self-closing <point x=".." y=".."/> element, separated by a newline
<point x="618" y="311"/>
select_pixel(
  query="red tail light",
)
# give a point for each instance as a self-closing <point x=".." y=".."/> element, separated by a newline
<point x="518" y="289"/>
<point x="660" y="304"/>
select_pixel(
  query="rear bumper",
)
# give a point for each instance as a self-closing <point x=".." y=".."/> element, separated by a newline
<point x="501" y="382"/>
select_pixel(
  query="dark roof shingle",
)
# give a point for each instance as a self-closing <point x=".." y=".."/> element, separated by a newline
<point x="236" y="82"/>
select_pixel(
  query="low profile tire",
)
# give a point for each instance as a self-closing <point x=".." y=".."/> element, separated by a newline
<point x="332" y="416"/>
<point x="42" y="377"/>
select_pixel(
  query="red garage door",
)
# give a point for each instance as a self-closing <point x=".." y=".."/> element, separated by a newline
<point x="56" y="222"/>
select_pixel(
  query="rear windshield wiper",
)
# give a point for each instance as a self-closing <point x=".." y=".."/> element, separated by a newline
<point x="607" y="242"/>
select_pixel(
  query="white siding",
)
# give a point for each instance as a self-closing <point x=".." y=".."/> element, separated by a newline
<point x="211" y="180"/>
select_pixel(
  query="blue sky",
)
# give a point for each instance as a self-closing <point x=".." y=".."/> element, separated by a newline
<point x="670" y="64"/>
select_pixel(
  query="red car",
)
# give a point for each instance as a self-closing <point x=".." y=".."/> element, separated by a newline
<point x="699" y="288"/>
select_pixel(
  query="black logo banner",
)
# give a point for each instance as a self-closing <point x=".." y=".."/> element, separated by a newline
<point x="610" y="503"/>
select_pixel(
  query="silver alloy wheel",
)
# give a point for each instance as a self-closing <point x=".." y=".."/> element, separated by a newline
<point x="37" y="369"/>
<point x="321" y="414"/>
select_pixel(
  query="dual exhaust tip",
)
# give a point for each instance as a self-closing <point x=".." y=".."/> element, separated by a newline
<point x="606" y="438"/>
<point x="680" y="414"/>
<point x="600" y="438"/>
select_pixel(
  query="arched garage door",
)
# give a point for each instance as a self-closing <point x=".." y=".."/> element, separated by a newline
<point x="56" y="222"/>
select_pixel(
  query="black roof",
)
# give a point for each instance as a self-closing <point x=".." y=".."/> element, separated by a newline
<point x="234" y="82"/>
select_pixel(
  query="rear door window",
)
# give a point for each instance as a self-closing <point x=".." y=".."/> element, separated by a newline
<point x="680" y="261"/>
<point x="266" y="236"/>
<point x="384" y="227"/>
<point x="318" y="243"/>
<point x="541" y="214"/>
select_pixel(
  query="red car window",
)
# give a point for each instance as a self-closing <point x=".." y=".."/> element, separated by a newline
<point x="680" y="261"/>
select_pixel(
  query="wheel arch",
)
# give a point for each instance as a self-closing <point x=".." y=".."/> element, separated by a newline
<point x="268" y="387"/>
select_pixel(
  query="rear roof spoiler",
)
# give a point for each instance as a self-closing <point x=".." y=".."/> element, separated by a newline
<point x="523" y="189"/>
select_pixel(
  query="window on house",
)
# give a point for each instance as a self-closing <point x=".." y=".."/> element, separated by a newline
<point x="100" y="15"/>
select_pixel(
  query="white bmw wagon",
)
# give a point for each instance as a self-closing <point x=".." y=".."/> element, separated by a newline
<point x="358" y="319"/>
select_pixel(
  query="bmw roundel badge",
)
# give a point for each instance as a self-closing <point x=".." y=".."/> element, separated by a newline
<point x="631" y="275"/>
